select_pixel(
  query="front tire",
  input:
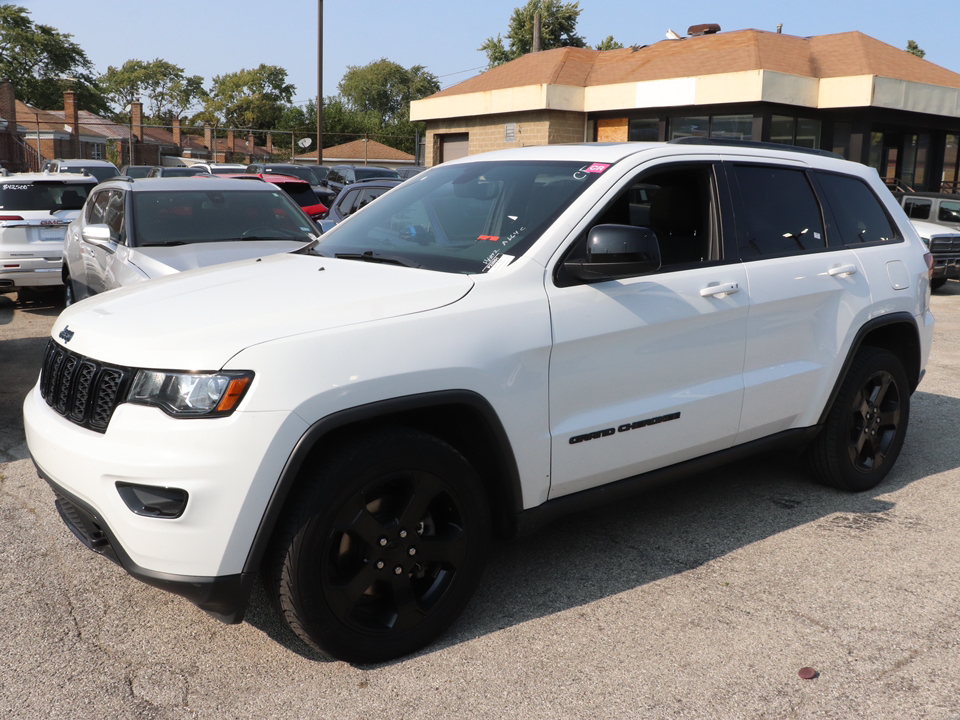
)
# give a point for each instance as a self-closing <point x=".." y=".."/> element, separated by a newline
<point x="382" y="548"/>
<point x="937" y="283"/>
<point x="864" y="432"/>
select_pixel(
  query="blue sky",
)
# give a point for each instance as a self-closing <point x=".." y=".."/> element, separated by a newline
<point x="214" y="37"/>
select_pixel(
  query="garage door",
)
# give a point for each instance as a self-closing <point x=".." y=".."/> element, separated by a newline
<point x="454" y="145"/>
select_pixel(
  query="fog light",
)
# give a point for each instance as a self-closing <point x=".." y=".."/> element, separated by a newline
<point x="152" y="501"/>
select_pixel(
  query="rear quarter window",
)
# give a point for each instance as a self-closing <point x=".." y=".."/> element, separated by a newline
<point x="858" y="215"/>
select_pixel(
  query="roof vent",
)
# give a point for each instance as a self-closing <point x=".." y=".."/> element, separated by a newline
<point x="707" y="29"/>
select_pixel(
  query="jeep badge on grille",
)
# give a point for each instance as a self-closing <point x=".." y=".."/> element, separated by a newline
<point x="66" y="334"/>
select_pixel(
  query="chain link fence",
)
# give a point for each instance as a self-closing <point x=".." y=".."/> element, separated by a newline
<point x="45" y="135"/>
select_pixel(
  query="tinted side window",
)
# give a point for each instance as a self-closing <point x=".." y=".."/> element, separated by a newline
<point x="781" y="212"/>
<point x="679" y="204"/>
<point x="858" y="213"/>
<point x="96" y="207"/>
<point x="113" y="216"/>
<point x="917" y="209"/>
<point x="949" y="211"/>
<point x="346" y="205"/>
<point x="369" y="195"/>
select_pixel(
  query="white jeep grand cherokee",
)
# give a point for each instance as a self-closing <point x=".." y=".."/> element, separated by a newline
<point x="493" y="343"/>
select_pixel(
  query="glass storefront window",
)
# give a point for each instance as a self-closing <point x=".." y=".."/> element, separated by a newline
<point x="808" y="133"/>
<point x="644" y="130"/>
<point x="732" y="127"/>
<point x="841" y="139"/>
<point x="781" y="130"/>
<point x="695" y="126"/>
<point x="923" y="151"/>
<point x="950" y="161"/>
<point x="876" y="151"/>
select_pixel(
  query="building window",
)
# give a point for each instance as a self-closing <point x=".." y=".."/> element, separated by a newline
<point x="732" y="127"/>
<point x="781" y="130"/>
<point x="949" y="179"/>
<point x="841" y="139"/>
<point x="96" y="151"/>
<point x="808" y="133"/>
<point x="694" y="126"/>
<point x="644" y="130"/>
<point x="801" y="132"/>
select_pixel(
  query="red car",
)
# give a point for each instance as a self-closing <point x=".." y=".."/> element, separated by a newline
<point x="298" y="189"/>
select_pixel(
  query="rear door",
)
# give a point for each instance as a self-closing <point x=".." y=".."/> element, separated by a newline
<point x="806" y="292"/>
<point x="647" y="371"/>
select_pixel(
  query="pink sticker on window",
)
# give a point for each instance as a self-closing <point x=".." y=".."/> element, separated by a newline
<point x="597" y="168"/>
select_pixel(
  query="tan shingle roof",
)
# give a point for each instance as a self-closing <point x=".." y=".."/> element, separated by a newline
<point x="355" y="150"/>
<point x="823" y="56"/>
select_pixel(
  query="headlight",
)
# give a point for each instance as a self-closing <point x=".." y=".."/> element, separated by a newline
<point x="190" y="394"/>
<point x="925" y="241"/>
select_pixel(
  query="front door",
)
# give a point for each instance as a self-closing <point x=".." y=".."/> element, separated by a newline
<point x="647" y="371"/>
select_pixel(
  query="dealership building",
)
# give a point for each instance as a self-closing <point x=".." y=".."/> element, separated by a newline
<point x="848" y="92"/>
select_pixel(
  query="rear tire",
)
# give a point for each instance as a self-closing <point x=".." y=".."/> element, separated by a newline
<point x="382" y="547"/>
<point x="864" y="432"/>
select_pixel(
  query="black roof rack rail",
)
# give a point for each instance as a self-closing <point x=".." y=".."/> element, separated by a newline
<point x="729" y="142"/>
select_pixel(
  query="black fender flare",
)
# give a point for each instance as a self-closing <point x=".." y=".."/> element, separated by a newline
<point x="896" y="318"/>
<point x="508" y="474"/>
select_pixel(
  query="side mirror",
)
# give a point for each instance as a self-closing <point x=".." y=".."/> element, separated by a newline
<point x="617" y="251"/>
<point x="97" y="234"/>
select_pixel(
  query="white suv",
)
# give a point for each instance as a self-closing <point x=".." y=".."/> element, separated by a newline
<point x="498" y="341"/>
<point x="35" y="209"/>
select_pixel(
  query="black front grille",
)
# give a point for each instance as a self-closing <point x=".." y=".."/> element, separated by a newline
<point x="945" y="244"/>
<point x="84" y="391"/>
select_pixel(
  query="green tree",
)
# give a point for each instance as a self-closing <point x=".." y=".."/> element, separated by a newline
<point x="384" y="90"/>
<point x="249" y="98"/>
<point x="558" y="26"/>
<point x="166" y="89"/>
<point x="609" y="44"/>
<point x="42" y="62"/>
<point x="914" y="49"/>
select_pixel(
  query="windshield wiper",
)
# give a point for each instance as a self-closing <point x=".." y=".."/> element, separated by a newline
<point x="368" y="256"/>
<point x="163" y="244"/>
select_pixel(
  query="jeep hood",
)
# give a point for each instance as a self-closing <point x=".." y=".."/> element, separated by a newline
<point x="169" y="259"/>
<point x="198" y="320"/>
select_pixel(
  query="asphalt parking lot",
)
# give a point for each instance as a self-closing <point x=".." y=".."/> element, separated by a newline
<point x="700" y="600"/>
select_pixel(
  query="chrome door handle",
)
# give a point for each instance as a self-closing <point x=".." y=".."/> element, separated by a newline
<point x="717" y="290"/>
<point x="842" y="270"/>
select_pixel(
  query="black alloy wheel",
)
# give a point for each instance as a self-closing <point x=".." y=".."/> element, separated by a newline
<point x="865" y="429"/>
<point x="874" y="421"/>
<point x="384" y="547"/>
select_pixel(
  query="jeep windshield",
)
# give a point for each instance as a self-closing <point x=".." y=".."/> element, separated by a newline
<point x="462" y="218"/>
<point x="43" y="195"/>
<point x="200" y="216"/>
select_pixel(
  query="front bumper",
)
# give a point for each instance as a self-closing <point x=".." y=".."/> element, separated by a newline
<point x="228" y="467"/>
<point x="224" y="598"/>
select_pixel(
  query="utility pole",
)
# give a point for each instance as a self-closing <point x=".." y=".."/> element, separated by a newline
<point x="319" y="82"/>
